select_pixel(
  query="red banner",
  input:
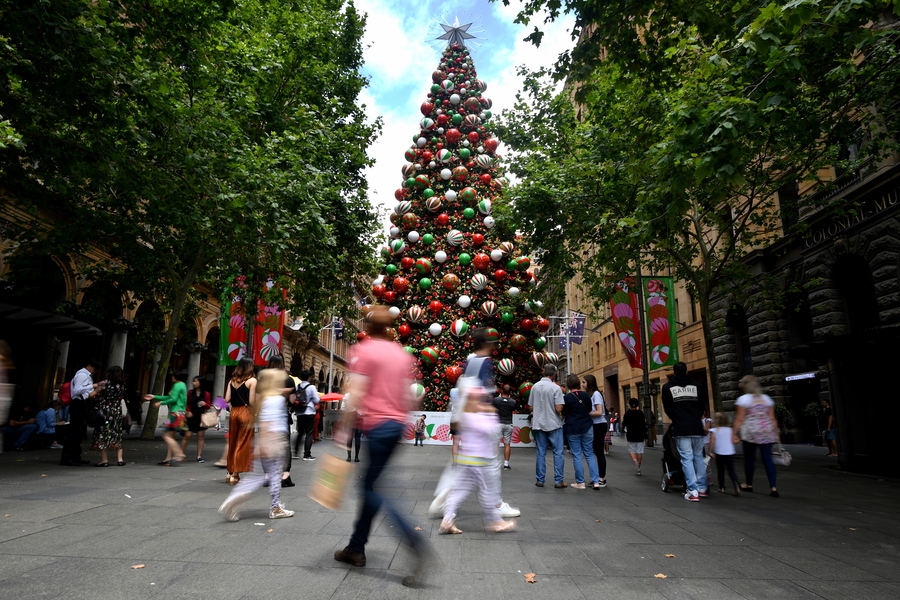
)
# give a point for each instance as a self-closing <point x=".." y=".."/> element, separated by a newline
<point x="624" y="306"/>
<point x="267" y="334"/>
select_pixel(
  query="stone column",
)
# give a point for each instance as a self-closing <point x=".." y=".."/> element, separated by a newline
<point x="193" y="368"/>
<point x="218" y="389"/>
<point x="117" y="345"/>
<point x="62" y="361"/>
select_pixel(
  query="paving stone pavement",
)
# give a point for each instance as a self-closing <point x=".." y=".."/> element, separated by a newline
<point x="73" y="533"/>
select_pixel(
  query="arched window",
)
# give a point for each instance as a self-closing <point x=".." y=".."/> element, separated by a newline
<point x="736" y="318"/>
<point x="853" y="277"/>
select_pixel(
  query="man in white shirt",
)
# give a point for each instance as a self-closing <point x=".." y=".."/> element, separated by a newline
<point x="546" y="424"/>
<point x="82" y="387"/>
<point x="308" y="400"/>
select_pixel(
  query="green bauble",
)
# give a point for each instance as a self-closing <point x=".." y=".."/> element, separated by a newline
<point x="464" y="259"/>
<point x="465" y="153"/>
<point x="410" y="182"/>
<point x="427" y="239"/>
<point x="457" y="119"/>
<point x="391" y="269"/>
<point x="428" y="192"/>
<point x="507" y="317"/>
<point x="424" y="283"/>
<point x="511" y="265"/>
<point x="539" y="343"/>
<point x="434" y="140"/>
<point x="469" y="213"/>
<point x="410" y="349"/>
<point x="435" y="88"/>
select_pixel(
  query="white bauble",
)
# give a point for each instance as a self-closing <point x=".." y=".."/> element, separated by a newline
<point x="466" y="143"/>
<point x="441" y="130"/>
<point x="455" y="99"/>
<point x="378" y="280"/>
<point x="496" y="255"/>
<point x="464" y="301"/>
<point x="446" y="174"/>
<point x="513" y="291"/>
<point x="440" y="256"/>
<point x="450" y="195"/>
<point x="395" y="231"/>
<point x="394" y="311"/>
<point x="480" y="149"/>
<point x="435" y="329"/>
<point x="432" y="165"/>
<point x="413" y="237"/>
<point x="488" y="222"/>
<point x="421" y="142"/>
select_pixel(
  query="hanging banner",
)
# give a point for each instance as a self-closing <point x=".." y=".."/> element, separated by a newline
<point x="624" y="307"/>
<point x="576" y="331"/>
<point x="659" y="295"/>
<point x="232" y="330"/>
<point x="267" y="334"/>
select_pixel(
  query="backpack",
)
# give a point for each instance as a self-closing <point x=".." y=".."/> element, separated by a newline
<point x="302" y="405"/>
<point x="65" y="393"/>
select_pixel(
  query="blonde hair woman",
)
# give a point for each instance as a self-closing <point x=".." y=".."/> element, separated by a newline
<point x="241" y="396"/>
<point x="270" y="412"/>
<point x="756" y="426"/>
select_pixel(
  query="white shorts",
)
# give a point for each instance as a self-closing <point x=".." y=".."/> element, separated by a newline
<point x="635" y="447"/>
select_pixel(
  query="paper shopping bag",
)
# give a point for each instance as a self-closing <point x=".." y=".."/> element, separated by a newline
<point x="330" y="481"/>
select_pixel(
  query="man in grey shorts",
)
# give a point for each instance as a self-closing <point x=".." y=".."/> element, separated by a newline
<point x="505" y="407"/>
<point x="635" y="425"/>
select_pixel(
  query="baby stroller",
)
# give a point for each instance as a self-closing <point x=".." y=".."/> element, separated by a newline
<point x="671" y="464"/>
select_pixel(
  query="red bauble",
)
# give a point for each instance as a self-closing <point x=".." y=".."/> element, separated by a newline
<point x="477" y="239"/>
<point x="527" y="324"/>
<point x="452" y="373"/>
<point x="443" y="119"/>
<point x="453" y="135"/>
<point x="499" y="274"/>
<point x="543" y="324"/>
<point x="389" y="297"/>
<point x="400" y="194"/>
<point x="426" y="108"/>
<point x="443" y="219"/>
<point x="490" y="144"/>
<point x="426" y="155"/>
<point x="474" y="137"/>
<point x="481" y="260"/>
<point x="404" y="330"/>
<point x="485" y="178"/>
<point x="361" y="336"/>
<point x="400" y="285"/>
<point x="378" y="290"/>
<point x="435" y="307"/>
<point x="407" y="262"/>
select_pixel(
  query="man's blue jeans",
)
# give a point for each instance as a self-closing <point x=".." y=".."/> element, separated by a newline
<point x="691" y="450"/>
<point x="382" y="441"/>
<point x="555" y="439"/>
<point x="583" y="444"/>
<point x="24" y="433"/>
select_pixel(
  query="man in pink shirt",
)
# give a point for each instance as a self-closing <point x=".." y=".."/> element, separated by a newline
<point x="381" y="375"/>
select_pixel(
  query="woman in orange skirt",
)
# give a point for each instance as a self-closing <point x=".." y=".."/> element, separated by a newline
<point x="240" y="394"/>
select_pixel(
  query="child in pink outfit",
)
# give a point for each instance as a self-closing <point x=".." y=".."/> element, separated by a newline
<point x="479" y="433"/>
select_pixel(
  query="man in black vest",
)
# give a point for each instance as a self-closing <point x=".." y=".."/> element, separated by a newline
<point x="682" y="403"/>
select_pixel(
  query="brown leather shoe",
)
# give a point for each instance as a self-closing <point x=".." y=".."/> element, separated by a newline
<point x="561" y="485"/>
<point x="539" y="483"/>
<point x="357" y="559"/>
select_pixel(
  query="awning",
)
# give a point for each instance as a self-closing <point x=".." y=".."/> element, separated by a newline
<point x="46" y="323"/>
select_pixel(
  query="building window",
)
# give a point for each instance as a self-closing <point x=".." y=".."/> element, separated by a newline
<point x="788" y="195"/>
<point x="736" y="318"/>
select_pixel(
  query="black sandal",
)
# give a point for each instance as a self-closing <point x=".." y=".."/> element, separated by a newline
<point x="121" y="463"/>
<point x="106" y="464"/>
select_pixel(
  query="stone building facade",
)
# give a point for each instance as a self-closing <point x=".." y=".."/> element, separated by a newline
<point x="821" y="319"/>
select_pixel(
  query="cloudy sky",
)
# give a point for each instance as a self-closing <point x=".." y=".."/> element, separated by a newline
<point x="400" y="60"/>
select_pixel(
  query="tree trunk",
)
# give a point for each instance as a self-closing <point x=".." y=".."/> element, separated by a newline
<point x="159" y="384"/>
<point x="180" y="299"/>
<point x="703" y="299"/>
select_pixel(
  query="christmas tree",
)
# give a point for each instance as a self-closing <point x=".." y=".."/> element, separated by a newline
<point x="449" y="267"/>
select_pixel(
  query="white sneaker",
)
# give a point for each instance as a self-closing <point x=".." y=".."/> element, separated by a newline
<point x="229" y="508"/>
<point x="279" y="512"/>
<point x="692" y="496"/>
<point x="507" y="511"/>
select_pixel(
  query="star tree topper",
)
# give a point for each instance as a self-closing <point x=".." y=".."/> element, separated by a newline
<point x="456" y="33"/>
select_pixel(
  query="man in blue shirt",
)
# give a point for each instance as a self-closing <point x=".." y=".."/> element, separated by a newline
<point x="82" y="387"/>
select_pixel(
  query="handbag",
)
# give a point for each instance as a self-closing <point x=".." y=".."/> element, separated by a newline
<point x="781" y="457"/>
<point x="209" y="419"/>
<point x="95" y="417"/>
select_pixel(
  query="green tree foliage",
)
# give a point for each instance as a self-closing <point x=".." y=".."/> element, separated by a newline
<point x="674" y="135"/>
<point x="192" y="141"/>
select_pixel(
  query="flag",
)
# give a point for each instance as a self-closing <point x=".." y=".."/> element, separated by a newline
<point x="232" y="327"/>
<point x="339" y="329"/>
<point x="576" y="328"/>
<point x="659" y="304"/>
<point x="624" y="307"/>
